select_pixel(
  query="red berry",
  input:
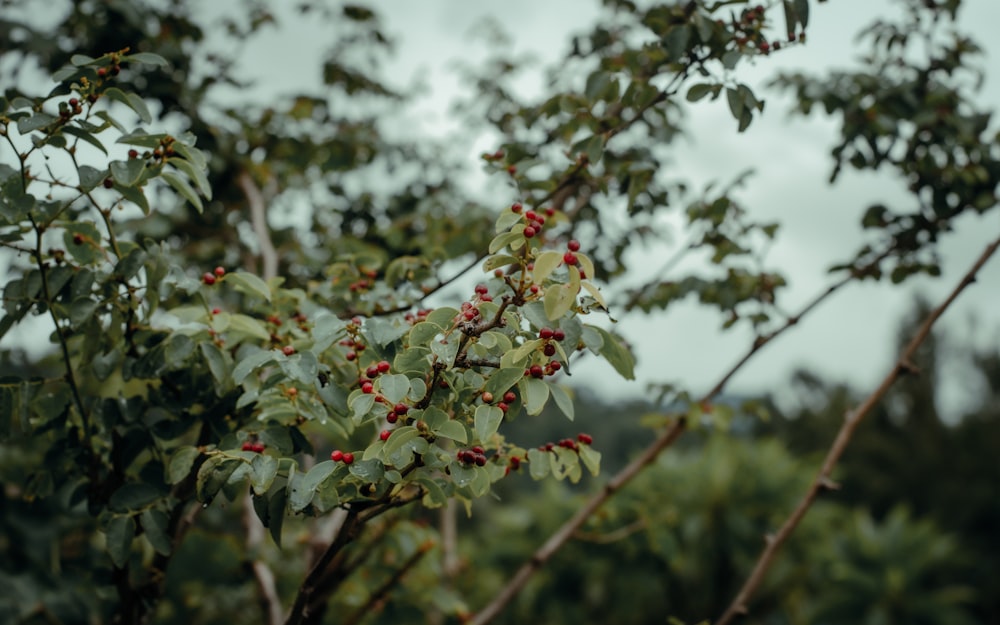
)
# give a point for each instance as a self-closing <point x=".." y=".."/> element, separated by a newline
<point x="535" y="288"/>
<point x="400" y="409"/>
<point x="478" y="450"/>
<point x="545" y="333"/>
<point x="383" y="366"/>
<point x="258" y="447"/>
<point x="78" y="238"/>
<point x="384" y="435"/>
<point x="367" y="388"/>
<point x="131" y="153"/>
<point x="480" y="460"/>
<point x="348" y="458"/>
<point x="216" y="311"/>
<point x="392" y="417"/>
<point x="482" y="289"/>
<point x="509" y="397"/>
<point x="74" y="102"/>
<point x="351" y="355"/>
<point x="337" y="455"/>
<point x="498" y="273"/>
<point x="102" y="72"/>
<point x="515" y="463"/>
<point x="555" y="365"/>
<point x="531" y="216"/>
<point x="247" y="446"/>
<point x="549" y="349"/>
<point x="108" y="183"/>
<point x="503" y="407"/>
<point x="550" y="211"/>
<point x="536" y="371"/>
<point x="511" y="169"/>
<point x="208" y="278"/>
<point x="586" y="439"/>
<point x="288" y="350"/>
<point x="372" y="372"/>
<point x="573" y="245"/>
<point x="529" y="231"/>
<point x="220" y="271"/>
<point x="558" y="334"/>
<point x="570" y="258"/>
<point x="516" y="207"/>
<point x="487" y="397"/>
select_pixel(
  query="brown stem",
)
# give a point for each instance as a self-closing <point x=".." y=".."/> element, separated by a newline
<point x="300" y="608"/>
<point x="738" y="607"/>
<point x="378" y="598"/>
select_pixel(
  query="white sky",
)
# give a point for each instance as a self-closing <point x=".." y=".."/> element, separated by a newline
<point x="851" y="337"/>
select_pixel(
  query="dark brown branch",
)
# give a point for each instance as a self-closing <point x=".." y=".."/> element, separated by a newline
<point x="300" y="608"/>
<point x="738" y="607"/>
<point x="258" y="219"/>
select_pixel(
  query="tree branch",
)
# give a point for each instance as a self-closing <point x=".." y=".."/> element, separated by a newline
<point x="662" y="442"/>
<point x="738" y="607"/>
<point x="258" y="219"/>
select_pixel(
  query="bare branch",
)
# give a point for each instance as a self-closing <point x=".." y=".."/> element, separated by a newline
<point x="258" y="219"/>
<point x="269" y="598"/>
<point x="738" y="607"/>
<point x="662" y="442"/>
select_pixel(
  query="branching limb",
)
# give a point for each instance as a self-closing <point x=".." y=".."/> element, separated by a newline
<point x="738" y="607"/>
<point x="381" y="594"/>
<point x="258" y="219"/>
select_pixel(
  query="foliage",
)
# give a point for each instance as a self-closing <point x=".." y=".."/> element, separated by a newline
<point x="206" y="362"/>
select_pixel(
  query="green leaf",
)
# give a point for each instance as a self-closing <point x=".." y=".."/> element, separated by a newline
<point x="399" y="437"/>
<point x="504" y="378"/>
<point x="424" y="332"/>
<point x="132" y="101"/>
<point x="181" y="463"/>
<point x="503" y="240"/>
<point x="452" y="430"/>
<point x="133" y="497"/>
<point x="699" y="91"/>
<point x="155" y="525"/>
<point x="538" y="463"/>
<point x="360" y="406"/>
<point x="81" y="59"/>
<point x="545" y="264"/>
<point x="535" y="393"/>
<point x="147" y="57"/>
<point x="563" y="401"/>
<point x="216" y="360"/>
<point x="90" y="177"/>
<point x="183" y="188"/>
<point x="134" y="195"/>
<point x="394" y="387"/>
<point x="368" y="470"/>
<point x="559" y="299"/>
<point x="487" y="421"/>
<point x="177" y="350"/>
<point x="499" y="260"/>
<point x="246" y="325"/>
<point x="591" y="459"/>
<point x="82" y="310"/>
<point x="82" y="134"/>
<point x="507" y="219"/>
<point x="264" y="469"/>
<point x="35" y="122"/>
<point x="127" y="173"/>
<point x="196" y="175"/>
<point x="250" y="284"/>
<point x="213" y="475"/>
<point x="118" y="534"/>
<point x="617" y="354"/>
<point x="735" y="100"/>
<point x="303" y="488"/>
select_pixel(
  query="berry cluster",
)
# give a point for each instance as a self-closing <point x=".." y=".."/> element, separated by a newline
<point x="549" y="349"/>
<point x="339" y="456"/>
<point x="474" y="455"/>
<point x="210" y="277"/>
<point x="353" y="340"/>
<point x="569" y="443"/>
<point x="253" y="445"/>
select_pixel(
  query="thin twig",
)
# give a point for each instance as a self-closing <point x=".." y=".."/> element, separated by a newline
<point x="381" y="594"/>
<point x="822" y="482"/>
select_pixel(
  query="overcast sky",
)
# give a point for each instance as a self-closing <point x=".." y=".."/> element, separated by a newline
<point x="850" y="338"/>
